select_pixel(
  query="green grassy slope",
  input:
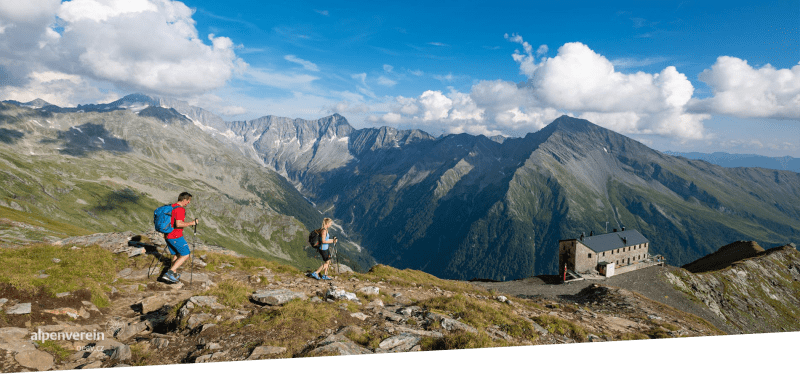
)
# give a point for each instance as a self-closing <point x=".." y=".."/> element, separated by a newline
<point x="99" y="172"/>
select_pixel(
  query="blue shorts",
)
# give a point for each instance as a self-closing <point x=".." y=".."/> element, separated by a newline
<point x="179" y="246"/>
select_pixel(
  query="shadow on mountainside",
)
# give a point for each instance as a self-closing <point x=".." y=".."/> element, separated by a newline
<point x="725" y="257"/>
<point x="10" y="136"/>
<point x="80" y="140"/>
<point x="120" y="200"/>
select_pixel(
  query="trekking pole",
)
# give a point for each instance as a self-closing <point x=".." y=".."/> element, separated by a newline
<point x="152" y="262"/>
<point x="159" y="256"/>
<point x="336" y="257"/>
<point x="191" y="257"/>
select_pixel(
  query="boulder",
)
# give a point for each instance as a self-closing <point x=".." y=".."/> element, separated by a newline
<point x="153" y="303"/>
<point x="360" y="316"/>
<point x="22" y="308"/>
<point x="93" y="365"/>
<point x="197" y="319"/>
<point x="160" y="343"/>
<point x="450" y="324"/>
<point x="391" y="316"/>
<point x="107" y="344"/>
<point x="90" y="306"/>
<point x="130" y="330"/>
<point x="96" y="355"/>
<point x="132" y="274"/>
<point x="35" y="359"/>
<point x="15" y="339"/>
<point x="187" y="276"/>
<point x="276" y="297"/>
<point x="209" y="301"/>
<point x="122" y="353"/>
<point x="265" y="350"/>
<point x="409" y="311"/>
<point x="497" y="334"/>
<point x="199" y="301"/>
<point x="207" y="326"/>
<point x="369" y="290"/>
<point x="339" y="294"/>
<point x="399" y="343"/>
<point x="539" y="329"/>
<point x="341" y="348"/>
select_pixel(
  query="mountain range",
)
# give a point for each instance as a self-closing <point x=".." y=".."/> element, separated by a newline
<point x="743" y="160"/>
<point x="457" y="206"/>
<point x="463" y="206"/>
<point x="67" y="172"/>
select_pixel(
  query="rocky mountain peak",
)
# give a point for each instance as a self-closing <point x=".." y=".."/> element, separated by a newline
<point x="136" y="98"/>
<point x="36" y="104"/>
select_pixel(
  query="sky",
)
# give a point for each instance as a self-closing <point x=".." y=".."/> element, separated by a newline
<point x="676" y="75"/>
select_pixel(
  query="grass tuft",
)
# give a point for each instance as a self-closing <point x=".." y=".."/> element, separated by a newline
<point x="560" y="326"/>
<point x="81" y="268"/>
<point x="231" y="293"/>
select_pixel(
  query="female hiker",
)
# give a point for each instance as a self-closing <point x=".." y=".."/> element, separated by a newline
<point x="323" y="250"/>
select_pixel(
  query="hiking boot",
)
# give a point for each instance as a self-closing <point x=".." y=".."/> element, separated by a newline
<point x="315" y="276"/>
<point x="169" y="277"/>
<point x="326" y="277"/>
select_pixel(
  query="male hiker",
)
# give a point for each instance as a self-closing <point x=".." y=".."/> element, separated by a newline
<point x="324" y="240"/>
<point x="175" y="242"/>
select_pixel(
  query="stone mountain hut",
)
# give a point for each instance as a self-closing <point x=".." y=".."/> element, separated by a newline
<point x="603" y="253"/>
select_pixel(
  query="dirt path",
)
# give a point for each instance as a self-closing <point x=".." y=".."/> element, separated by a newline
<point x="648" y="282"/>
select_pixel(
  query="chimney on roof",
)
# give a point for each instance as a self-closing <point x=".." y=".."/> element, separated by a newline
<point x="615" y="230"/>
<point x="582" y="236"/>
<point x="624" y="240"/>
<point x="591" y="233"/>
<point x="623" y="228"/>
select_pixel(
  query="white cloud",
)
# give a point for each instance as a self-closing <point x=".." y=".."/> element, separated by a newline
<point x="363" y="87"/>
<point x="744" y="91"/>
<point x="525" y="59"/>
<point x="360" y="77"/>
<point x="445" y="78"/>
<point x="417" y="72"/>
<point x="292" y="82"/>
<point x="388" y="68"/>
<point x="492" y="108"/>
<point x="392" y="118"/>
<point x="578" y="79"/>
<point x="383" y="81"/>
<point x="99" y="11"/>
<point x="143" y="45"/>
<point x="308" y="65"/>
<point x="345" y="106"/>
<point x="435" y="105"/>
<point x="629" y="62"/>
<point x="232" y="110"/>
<point x="64" y="90"/>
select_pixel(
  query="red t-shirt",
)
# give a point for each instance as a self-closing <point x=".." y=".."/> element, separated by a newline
<point x="178" y="213"/>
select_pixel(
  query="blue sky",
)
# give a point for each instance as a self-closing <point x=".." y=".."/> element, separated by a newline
<point x="676" y="75"/>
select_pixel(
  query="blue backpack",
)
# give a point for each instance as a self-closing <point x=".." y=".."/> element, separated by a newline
<point x="162" y="218"/>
